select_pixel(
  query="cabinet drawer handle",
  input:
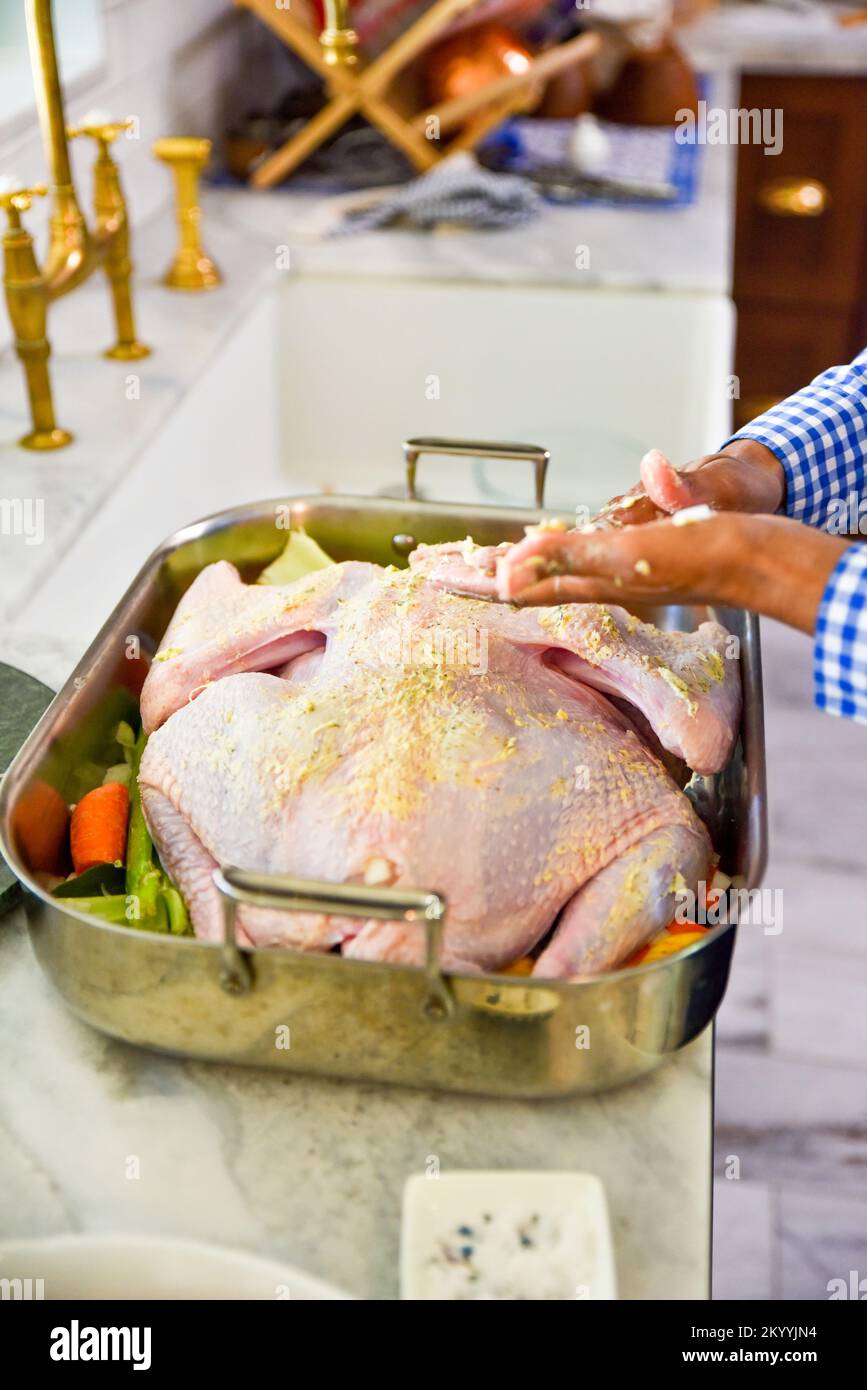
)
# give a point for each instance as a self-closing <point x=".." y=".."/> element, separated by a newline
<point x="788" y="197"/>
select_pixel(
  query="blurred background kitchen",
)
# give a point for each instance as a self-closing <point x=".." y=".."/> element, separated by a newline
<point x="475" y="219"/>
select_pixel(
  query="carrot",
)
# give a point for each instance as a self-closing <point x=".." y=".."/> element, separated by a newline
<point x="675" y="937"/>
<point x="670" y="943"/>
<point x="637" y="958"/>
<point x="40" y="822"/>
<point x="523" y="965"/>
<point x="98" y="831"/>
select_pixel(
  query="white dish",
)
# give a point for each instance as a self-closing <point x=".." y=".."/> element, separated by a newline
<point x="504" y="1235"/>
<point x="151" y="1267"/>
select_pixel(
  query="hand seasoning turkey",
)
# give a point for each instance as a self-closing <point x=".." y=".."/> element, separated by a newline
<point x="366" y="725"/>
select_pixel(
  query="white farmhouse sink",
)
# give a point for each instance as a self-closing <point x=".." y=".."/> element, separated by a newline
<point x="325" y="377"/>
<point x="596" y="376"/>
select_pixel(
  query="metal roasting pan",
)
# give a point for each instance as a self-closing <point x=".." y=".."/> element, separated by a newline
<point x="493" y="1035"/>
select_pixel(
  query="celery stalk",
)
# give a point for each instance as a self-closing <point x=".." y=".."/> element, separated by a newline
<point x="179" y="922"/>
<point x="161" y="906"/>
<point x="111" y="907"/>
<point x="142" y="878"/>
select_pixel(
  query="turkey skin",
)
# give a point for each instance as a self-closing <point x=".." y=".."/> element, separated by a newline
<point x="364" y="725"/>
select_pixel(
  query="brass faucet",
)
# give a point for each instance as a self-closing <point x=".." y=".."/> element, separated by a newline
<point x="28" y="307"/>
<point x="338" y="38"/>
<point x="74" y="251"/>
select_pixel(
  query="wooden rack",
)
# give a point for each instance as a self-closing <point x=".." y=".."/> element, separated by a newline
<point x="373" y="91"/>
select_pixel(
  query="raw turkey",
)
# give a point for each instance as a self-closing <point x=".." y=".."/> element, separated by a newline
<point x="364" y="725"/>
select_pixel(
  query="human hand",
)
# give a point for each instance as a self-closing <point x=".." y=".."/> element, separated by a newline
<point x="745" y="477"/>
<point x="769" y="564"/>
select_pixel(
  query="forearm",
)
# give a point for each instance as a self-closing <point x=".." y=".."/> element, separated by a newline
<point x="775" y="567"/>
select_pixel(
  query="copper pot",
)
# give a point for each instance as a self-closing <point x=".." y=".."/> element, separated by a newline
<point x="653" y="85"/>
<point x="471" y="60"/>
<point x="567" y="95"/>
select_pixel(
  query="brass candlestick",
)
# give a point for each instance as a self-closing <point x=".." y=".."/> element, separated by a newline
<point x="192" y="268"/>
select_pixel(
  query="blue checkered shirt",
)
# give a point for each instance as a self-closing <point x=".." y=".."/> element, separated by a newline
<point x="820" y="437"/>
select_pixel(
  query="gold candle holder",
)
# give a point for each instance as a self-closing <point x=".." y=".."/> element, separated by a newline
<point x="192" y="268"/>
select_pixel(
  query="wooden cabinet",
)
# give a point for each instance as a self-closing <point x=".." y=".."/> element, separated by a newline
<point x="800" y="272"/>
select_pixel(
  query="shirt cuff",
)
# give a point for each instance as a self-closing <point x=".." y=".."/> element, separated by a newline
<point x="820" y="437"/>
<point x="788" y="442"/>
<point x="840" y="656"/>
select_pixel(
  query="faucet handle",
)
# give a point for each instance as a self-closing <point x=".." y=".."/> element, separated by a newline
<point x="182" y="149"/>
<point x="98" y="127"/>
<point x="16" y="199"/>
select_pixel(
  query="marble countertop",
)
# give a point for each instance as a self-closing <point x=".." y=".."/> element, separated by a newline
<point x="656" y="248"/>
<point x="780" y="38"/>
<point x="312" y="1171"/>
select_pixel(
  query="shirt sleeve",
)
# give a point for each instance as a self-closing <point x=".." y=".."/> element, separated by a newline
<point x="840" y="655"/>
<point x="820" y="437"/>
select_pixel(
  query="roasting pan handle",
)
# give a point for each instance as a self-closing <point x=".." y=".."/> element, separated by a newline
<point x="338" y="899"/>
<point x="477" y="449"/>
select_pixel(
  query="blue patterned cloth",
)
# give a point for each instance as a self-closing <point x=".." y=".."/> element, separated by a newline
<point x="456" y="190"/>
<point x="820" y="437"/>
